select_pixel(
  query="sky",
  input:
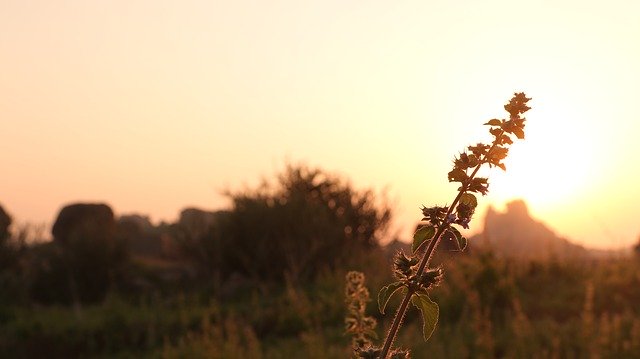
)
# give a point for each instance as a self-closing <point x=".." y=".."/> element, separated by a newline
<point x="152" y="106"/>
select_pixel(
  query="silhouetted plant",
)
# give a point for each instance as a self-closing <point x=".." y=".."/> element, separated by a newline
<point x="413" y="274"/>
<point x="13" y="253"/>
<point x="357" y="323"/>
<point x="309" y="221"/>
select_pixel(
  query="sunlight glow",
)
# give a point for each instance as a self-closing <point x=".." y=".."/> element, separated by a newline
<point x="151" y="106"/>
<point x="557" y="163"/>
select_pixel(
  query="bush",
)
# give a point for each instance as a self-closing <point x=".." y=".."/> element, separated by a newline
<point x="309" y="221"/>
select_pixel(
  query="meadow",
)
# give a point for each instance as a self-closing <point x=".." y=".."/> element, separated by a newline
<point x="490" y="308"/>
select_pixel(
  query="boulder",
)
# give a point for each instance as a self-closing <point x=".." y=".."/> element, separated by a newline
<point x="84" y="220"/>
<point x="514" y="233"/>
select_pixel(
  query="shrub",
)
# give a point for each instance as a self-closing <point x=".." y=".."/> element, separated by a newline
<point x="307" y="222"/>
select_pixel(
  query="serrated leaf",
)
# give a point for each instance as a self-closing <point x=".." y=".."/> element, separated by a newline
<point x="479" y="184"/>
<point x="473" y="160"/>
<point x="456" y="233"/>
<point x="469" y="199"/>
<point x="386" y="293"/>
<point x="506" y="140"/>
<point x="518" y="132"/>
<point x="422" y="234"/>
<point x="430" y="312"/>
<point x="371" y="333"/>
<point x="457" y="175"/>
<point x="462" y="243"/>
<point x="460" y="240"/>
<point x="447" y="236"/>
<point x="499" y="153"/>
<point x="493" y="122"/>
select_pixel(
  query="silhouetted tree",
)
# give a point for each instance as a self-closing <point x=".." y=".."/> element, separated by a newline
<point x="14" y="253"/>
<point x="139" y="236"/>
<point x="306" y="222"/>
<point x="197" y="234"/>
<point x="5" y="250"/>
<point x="5" y="222"/>
<point x="10" y="251"/>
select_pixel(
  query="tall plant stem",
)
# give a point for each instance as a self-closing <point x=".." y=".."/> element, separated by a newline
<point x="426" y="258"/>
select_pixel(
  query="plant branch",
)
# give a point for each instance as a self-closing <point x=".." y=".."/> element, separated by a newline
<point x="433" y="244"/>
<point x="415" y="275"/>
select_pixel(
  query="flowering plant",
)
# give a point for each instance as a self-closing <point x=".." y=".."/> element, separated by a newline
<point x="413" y="275"/>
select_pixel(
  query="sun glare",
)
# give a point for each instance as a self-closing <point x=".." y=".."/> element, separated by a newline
<point x="553" y="165"/>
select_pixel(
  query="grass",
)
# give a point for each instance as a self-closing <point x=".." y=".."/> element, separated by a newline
<point x="490" y="307"/>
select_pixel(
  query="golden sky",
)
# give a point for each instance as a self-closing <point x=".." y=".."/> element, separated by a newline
<point x="154" y="105"/>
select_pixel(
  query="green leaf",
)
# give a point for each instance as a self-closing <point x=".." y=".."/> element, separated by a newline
<point x="429" y="310"/>
<point x="461" y="241"/>
<point x="386" y="293"/>
<point x="421" y="235"/>
<point x="456" y="233"/>
<point x="447" y="236"/>
<point x="469" y="199"/>
<point x="457" y="175"/>
<point x="493" y="122"/>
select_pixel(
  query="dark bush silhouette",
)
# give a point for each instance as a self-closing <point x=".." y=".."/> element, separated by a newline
<point x="12" y="249"/>
<point x="5" y="222"/>
<point x="198" y="236"/>
<point x="139" y="236"/>
<point x="5" y="250"/>
<point x="308" y="221"/>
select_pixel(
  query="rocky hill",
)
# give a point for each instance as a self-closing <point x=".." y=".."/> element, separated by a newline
<point x="515" y="233"/>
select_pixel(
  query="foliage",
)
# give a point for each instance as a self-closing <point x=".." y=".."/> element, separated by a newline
<point x="489" y="307"/>
<point x="13" y="248"/>
<point x="357" y="323"/>
<point x="309" y="221"/>
<point x="413" y="274"/>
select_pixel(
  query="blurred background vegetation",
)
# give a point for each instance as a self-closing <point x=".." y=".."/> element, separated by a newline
<point x="265" y="279"/>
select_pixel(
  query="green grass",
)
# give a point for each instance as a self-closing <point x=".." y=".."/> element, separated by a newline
<point x="489" y="308"/>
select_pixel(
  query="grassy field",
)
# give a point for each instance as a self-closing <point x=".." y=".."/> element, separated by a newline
<point x="489" y="308"/>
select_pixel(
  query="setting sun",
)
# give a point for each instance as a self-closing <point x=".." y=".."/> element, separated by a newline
<point x="557" y="163"/>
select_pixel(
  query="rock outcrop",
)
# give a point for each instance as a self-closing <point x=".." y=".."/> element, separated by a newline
<point x="515" y="233"/>
<point x="84" y="221"/>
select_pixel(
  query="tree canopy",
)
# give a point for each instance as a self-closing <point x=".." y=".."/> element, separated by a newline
<point x="307" y="221"/>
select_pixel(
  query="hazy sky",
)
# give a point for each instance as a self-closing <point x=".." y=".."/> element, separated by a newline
<point x="156" y="105"/>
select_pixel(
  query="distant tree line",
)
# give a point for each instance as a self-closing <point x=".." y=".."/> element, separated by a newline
<point x="305" y="222"/>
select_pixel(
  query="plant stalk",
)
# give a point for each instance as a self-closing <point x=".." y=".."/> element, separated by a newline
<point x="433" y="244"/>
